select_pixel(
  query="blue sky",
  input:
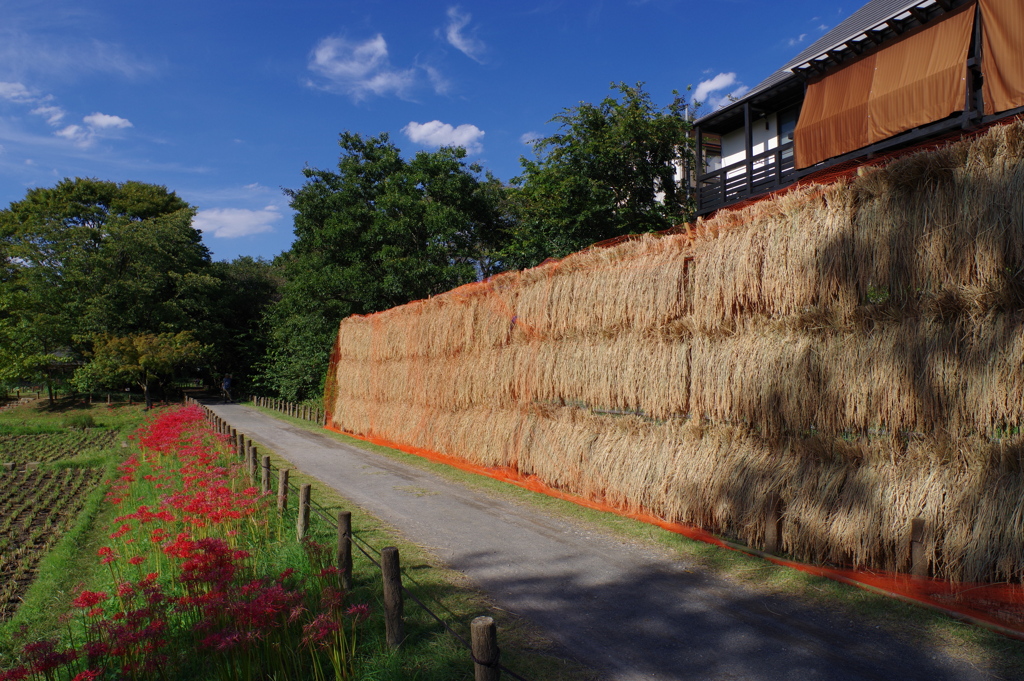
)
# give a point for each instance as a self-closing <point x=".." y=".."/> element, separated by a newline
<point x="226" y="102"/>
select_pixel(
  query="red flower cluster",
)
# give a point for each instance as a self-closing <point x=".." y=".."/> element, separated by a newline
<point x="205" y="592"/>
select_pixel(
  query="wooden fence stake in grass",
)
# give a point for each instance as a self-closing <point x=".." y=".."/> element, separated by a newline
<point x="282" y="490"/>
<point x="302" y="526"/>
<point x="254" y="461"/>
<point x="345" y="548"/>
<point x="918" y="561"/>
<point x="773" y="525"/>
<point x="265" y="474"/>
<point x="394" y="625"/>
<point x="484" y="636"/>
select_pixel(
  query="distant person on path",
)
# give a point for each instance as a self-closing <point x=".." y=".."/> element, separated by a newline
<point x="225" y="388"/>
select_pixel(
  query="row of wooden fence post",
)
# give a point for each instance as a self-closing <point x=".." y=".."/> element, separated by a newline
<point x="299" y="411"/>
<point x="484" y="643"/>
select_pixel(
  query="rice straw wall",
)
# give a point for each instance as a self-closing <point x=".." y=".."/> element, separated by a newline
<point x="855" y="349"/>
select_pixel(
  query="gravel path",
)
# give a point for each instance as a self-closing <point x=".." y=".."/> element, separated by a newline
<point x="626" y="609"/>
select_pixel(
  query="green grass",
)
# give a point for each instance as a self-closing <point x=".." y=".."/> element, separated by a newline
<point x="916" y="624"/>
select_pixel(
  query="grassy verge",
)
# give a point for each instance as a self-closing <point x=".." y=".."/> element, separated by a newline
<point x="916" y="624"/>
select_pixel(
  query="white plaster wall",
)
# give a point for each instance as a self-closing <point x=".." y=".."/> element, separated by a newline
<point x="765" y="134"/>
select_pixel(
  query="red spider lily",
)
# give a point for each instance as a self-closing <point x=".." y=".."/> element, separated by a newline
<point x="87" y="675"/>
<point x="359" y="612"/>
<point x="89" y="599"/>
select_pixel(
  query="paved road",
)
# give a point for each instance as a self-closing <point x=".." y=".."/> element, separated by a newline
<point x="628" y="610"/>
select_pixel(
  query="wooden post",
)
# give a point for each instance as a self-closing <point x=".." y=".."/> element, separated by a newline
<point x="484" y="635"/>
<point x="302" y="526"/>
<point x="282" y="490"/>
<point x="345" y="548"/>
<point x="265" y="474"/>
<point x="108" y="399"/>
<point x="254" y="461"/>
<point x="918" y="561"/>
<point x="773" y="525"/>
<point x="394" y="625"/>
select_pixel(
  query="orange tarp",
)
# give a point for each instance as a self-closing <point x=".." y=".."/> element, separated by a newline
<point x="918" y="79"/>
<point x="1002" y="54"/>
<point x="922" y="78"/>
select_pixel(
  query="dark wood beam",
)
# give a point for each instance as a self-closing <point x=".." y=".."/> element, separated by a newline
<point x="919" y="15"/>
<point x="894" y="25"/>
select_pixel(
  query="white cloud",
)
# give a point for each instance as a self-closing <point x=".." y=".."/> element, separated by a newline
<point x="96" y="124"/>
<point x="229" y="223"/>
<point x="529" y="138"/>
<point x="441" y="84"/>
<point x="793" y="42"/>
<point x="719" y="83"/>
<point x="438" y="134"/>
<point x="53" y="114"/>
<point x="468" y="45"/>
<point x="76" y="134"/>
<point x="16" y="92"/>
<point x="102" y="121"/>
<point x="359" y="69"/>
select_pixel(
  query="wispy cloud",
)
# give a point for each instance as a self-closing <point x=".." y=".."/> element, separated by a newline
<point x="529" y="138"/>
<point x="230" y="223"/>
<point x="793" y="42"/>
<point x="102" y="121"/>
<point x="95" y="125"/>
<point x="726" y="84"/>
<point x="53" y="114"/>
<point x="358" y="69"/>
<point x="438" y="134"/>
<point x="17" y="92"/>
<point x="26" y="56"/>
<point x="468" y="45"/>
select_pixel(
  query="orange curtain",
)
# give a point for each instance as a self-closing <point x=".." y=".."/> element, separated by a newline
<point x="916" y="80"/>
<point x="834" y="115"/>
<point x="921" y="78"/>
<point x="1002" y="54"/>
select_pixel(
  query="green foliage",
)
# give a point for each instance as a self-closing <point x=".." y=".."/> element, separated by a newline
<point x="379" y="232"/>
<point x="137" y="358"/>
<point x="88" y="258"/>
<point x="609" y="171"/>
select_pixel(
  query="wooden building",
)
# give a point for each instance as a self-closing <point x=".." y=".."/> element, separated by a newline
<point x="895" y="74"/>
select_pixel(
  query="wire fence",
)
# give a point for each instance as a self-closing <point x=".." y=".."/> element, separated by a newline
<point x="325" y="514"/>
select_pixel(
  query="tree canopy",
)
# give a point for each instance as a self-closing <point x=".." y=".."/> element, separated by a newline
<point x="611" y="169"/>
<point x="379" y="231"/>
<point x="90" y="257"/>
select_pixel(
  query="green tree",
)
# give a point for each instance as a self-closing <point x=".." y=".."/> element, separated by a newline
<point x="610" y="170"/>
<point x="141" y="359"/>
<point x="378" y="232"/>
<point x="90" y="257"/>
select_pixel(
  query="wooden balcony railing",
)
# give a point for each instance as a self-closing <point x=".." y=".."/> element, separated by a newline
<point x="759" y="174"/>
